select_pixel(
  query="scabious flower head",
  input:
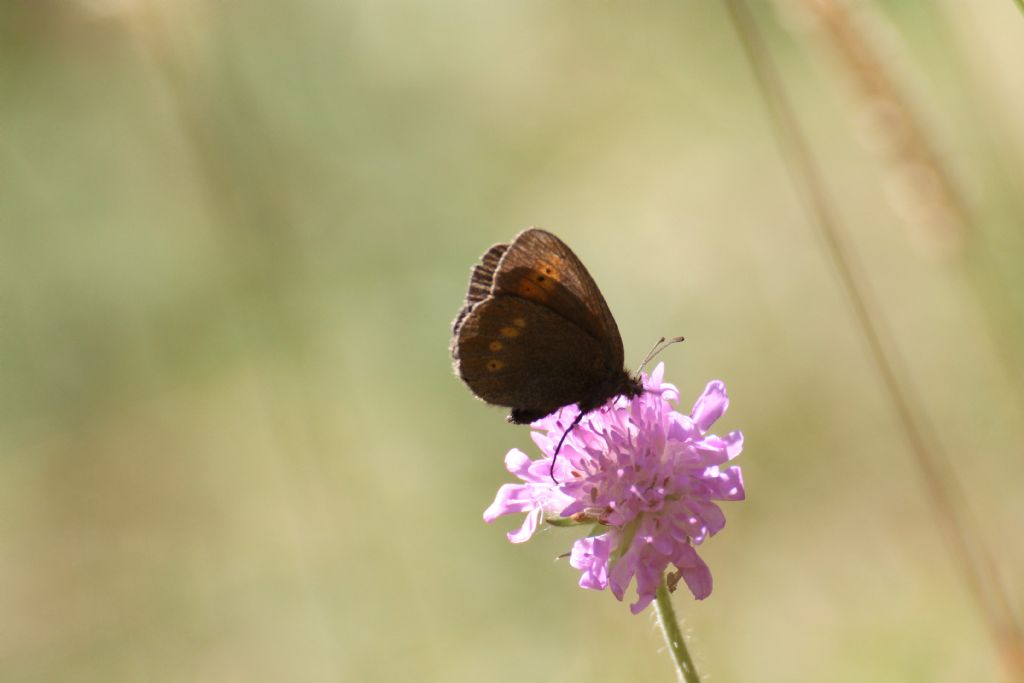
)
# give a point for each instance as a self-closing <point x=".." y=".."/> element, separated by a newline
<point x="645" y="474"/>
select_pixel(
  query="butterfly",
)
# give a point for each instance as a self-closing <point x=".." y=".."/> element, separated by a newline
<point x="535" y="334"/>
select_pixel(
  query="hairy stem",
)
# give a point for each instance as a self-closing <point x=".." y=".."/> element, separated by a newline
<point x="685" y="670"/>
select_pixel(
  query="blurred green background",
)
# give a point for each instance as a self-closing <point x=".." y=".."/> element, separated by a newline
<point x="234" y="236"/>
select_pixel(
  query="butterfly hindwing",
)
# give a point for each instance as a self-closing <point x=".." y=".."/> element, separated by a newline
<point x="518" y="353"/>
<point x="535" y="334"/>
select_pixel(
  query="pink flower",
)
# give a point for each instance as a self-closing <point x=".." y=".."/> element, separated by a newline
<point x="639" y="470"/>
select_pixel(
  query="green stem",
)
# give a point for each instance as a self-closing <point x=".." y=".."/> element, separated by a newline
<point x="1020" y="5"/>
<point x="685" y="670"/>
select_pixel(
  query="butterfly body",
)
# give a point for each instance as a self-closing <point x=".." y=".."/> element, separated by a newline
<point x="535" y="333"/>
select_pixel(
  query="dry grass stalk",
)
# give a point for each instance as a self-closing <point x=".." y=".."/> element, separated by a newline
<point x="919" y="187"/>
<point x="967" y="545"/>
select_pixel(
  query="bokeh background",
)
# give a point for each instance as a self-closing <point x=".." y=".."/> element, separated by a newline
<point x="234" y="236"/>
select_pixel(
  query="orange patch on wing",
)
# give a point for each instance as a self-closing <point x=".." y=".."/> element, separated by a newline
<point x="529" y="288"/>
<point x="495" y="345"/>
<point x="509" y="332"/>
<point x="543" y="280"/>
<point x="549" y="270"/>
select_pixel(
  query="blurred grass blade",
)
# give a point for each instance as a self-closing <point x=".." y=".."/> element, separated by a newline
<point x="965" y="540"/>
<point x="921" y="189"/>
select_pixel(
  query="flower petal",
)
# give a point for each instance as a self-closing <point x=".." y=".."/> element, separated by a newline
<point x="681" y="427"/>
<point x="712" y="451"/>
<point x="711" y="405"/>
<point x="511" y="498"/>
<point x="648" y="576"/>
<point x="710" y="515"/>
<point x="529" y="526"/>
<point x="518" y="463"/>
<point x="695" y="573"/>
<point x="657" y="374"/>
<point x="590" y="555"/>
<point x="730" y="484"/>
<point x="622" y="573"/>
<point x="733" y="443"/>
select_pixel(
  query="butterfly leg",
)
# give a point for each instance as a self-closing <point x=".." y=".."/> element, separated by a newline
<point x="554" y="458"/>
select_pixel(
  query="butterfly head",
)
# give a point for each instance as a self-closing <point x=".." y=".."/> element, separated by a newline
<point x="616" y="384"/>
<point x="632" y="388"/>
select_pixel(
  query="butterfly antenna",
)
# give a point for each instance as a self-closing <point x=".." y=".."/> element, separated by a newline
<point x="658" y="347"/>
<point x="554" y="458"/>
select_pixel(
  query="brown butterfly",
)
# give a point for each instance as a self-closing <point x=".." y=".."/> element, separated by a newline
<point x="535" y="334"/>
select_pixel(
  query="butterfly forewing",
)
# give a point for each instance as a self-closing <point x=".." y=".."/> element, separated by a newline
<point x="540" y="267"/>
<point x="480" y="283"/>
<point x="534" y="332"/>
